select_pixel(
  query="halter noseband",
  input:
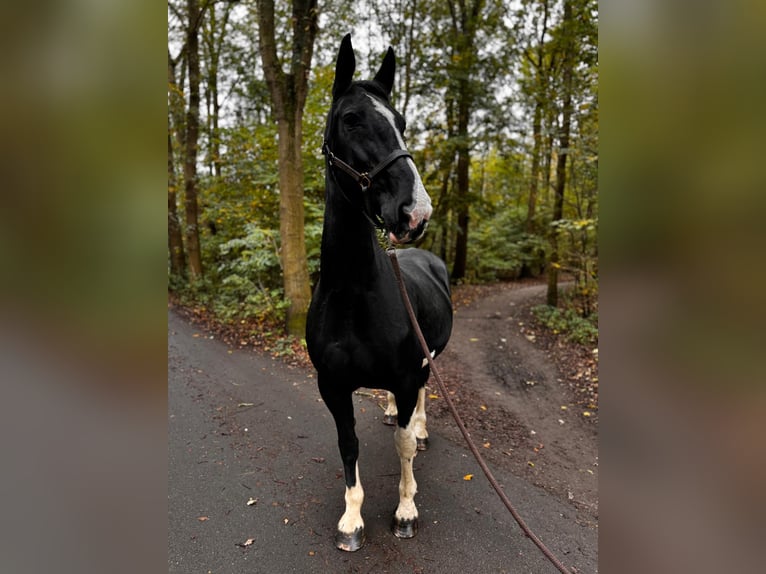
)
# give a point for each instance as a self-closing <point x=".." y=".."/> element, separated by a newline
<point x="364" y="179"/>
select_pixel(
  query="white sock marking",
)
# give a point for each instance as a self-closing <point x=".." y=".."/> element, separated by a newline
<point x="404" y="438"/>
<point x="352" y="517"/>
<point x="391" y="409"/>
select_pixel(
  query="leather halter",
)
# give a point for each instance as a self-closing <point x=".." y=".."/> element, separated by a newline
<point x="364" y="179"/>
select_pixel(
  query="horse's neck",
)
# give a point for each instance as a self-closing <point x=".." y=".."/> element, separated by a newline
<point x="348" y="242"/>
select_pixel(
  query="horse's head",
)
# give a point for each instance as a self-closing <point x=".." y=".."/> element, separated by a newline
<point x="366" y="154"/>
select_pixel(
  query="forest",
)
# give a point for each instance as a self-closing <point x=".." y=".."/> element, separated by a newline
<point x="501" y="103"/>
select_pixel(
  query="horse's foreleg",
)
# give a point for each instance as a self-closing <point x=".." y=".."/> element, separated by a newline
<point x="389" y="416"/>
<point x="350" y="533"/>
<point x="419" y="421"/>
<point x="405" y="523"/>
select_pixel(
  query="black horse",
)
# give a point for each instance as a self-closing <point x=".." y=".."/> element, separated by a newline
<point x="358" y="332"/>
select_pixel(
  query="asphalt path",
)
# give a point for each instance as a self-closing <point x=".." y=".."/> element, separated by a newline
<point x="243" y="427"/>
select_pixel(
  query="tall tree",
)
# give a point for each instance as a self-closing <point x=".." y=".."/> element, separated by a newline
<point x="568" y="49"/>
<point x="543" y="62"/>
<point x="288" y="97"/>
<point x="175" y="236"/>
<point x="191" y="209"/>
<point x="213" y="36"/>
<point x="464" y="23"/>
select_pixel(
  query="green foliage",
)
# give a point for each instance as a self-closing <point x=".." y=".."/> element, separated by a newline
<point x="249" y="275"/>
<point x="247" y="280"/>
<point x="500" y="249"/>
<point x="578" y="242"/>
<point x="568" y="322"/>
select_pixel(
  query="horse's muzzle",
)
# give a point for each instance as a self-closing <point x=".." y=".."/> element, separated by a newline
<point x="409" y="235"/>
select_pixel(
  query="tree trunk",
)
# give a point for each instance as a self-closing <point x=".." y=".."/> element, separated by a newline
<point x="175" y="233"/>
<point x="464" y="24"/>
<point x="213" y="37"/>
<point x="288" y="97"/>
<point x="535" y="172"/>
<point x="175" y="240"/>
<point x="291" y="227"/>
<point x="462" y="200"/>
<point x="561" y="161"/>
<point x="541" y="74"/>
<point x="192" y="135"/>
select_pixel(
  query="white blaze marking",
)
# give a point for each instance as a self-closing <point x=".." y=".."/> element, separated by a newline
<point x="420" y="207"/>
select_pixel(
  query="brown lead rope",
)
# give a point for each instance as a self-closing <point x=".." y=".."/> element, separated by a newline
<point x="492" y="480"/>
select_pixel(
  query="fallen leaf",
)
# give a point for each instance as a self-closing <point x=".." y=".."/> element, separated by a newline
<point x="530" y="463"/>
<point x="473" y="339"/>
<point x="203" y="518"/>
<point x="433" y="396"/>
<point x="252" y="501"/>
<point x="245" y="404"/>
<point x="586" y="414"/>
<point x="312" y="553"/>
<point x="286" y="520"/>
<point x="563" y="407"/>
<point x="483" y="407"/>
<point x="486" y="444"/>
<point x="318" y="459"/>
<point x="246" y="543"/>
<point x="468" y="477"/>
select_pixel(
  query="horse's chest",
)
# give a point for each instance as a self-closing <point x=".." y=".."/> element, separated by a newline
<point x="355" y="337"/>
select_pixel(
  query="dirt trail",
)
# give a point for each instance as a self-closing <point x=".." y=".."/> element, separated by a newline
<point x="515" y="401"/>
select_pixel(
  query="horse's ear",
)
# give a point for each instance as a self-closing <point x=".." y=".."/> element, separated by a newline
<point x="385" y="75"/>
<point x="344" y="67"/>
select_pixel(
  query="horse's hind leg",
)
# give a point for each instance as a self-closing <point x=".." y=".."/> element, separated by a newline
<point x="405" y="524"/>
<point x="389" y="416"/>
<point x="350" y="533"/>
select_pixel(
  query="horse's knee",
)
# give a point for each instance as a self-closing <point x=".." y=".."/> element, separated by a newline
<point x="406" y="443"/>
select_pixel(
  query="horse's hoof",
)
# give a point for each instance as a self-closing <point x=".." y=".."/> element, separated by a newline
<point x="423" y="443"/>
<point x="404" y="528"/>
<point x="389" y="420"/>
<point x="349" y="542"/>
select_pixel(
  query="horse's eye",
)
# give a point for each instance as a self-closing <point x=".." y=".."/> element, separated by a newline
<point x="351" y="120"/>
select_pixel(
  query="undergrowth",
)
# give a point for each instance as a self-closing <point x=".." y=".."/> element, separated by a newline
<point x="568" y="323"/>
